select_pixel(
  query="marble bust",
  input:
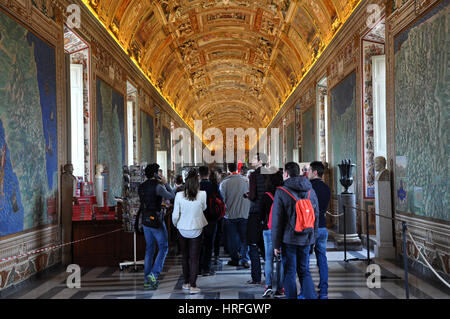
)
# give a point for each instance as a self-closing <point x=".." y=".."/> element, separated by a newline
<point x="99" y="170"/>
<point x="380" y="167"/>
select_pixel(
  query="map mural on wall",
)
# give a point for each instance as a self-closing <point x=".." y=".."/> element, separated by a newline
<point x="290" y="140"/>
<point x="165" y="145"/>
<point x="147" y="138"/>
<point x="111" y="137"/>
<point x="28" y="130"/>
<point x="422" y="122"/>
<point x="343" y="128"/>
<point x="309" y="136"/>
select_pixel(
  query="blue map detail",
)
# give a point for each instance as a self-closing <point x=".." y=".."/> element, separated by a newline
<point x="46" y="78"/>
<point x="11" y="208"/>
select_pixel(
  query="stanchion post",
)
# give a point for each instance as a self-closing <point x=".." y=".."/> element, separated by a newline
<point x="368" y="241"/>
<point x="345" y="235"/>
<point x="405" y="262"/>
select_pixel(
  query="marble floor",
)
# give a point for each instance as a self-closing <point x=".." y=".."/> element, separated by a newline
<point x="347" y="280"/>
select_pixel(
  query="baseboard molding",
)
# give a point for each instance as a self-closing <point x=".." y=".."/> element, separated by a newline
<point x="46" y="273"/>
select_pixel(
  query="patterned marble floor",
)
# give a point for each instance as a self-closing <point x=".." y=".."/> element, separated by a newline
<point x="346" y="281"/>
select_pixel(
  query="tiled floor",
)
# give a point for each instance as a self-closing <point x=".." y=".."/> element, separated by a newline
<point x="347" y="280"/>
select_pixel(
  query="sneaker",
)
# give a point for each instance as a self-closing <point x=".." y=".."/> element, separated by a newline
<point x="246" y="265"/>
<point x="194" y="290"/>
<point x="186" y="286"/>
<point x="279" y="294"/>
<point x="147" y="286"/>
<point x="152" y="280"/>
<point x="267" y="292"/>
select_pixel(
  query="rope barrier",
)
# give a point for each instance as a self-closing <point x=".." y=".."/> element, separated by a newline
<point x="338" y="215"/>
<point x="426" y="261"/>
<point x="412" y="240"/>
<point x="37" y="251"/>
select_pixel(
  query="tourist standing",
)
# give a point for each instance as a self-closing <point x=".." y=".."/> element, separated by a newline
<point x="233" y="188"/>
<point x="315" y="174"/>
<point x="151" y="194"/>
<point x="189" y="219"/>
<point x="294" y="247"/>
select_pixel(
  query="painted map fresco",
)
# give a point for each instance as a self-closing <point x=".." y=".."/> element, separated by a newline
<point x="309" y="136"/>
<point x="28" y="130"/>
<point x="165" y="145"/>
<point x="290" y="139"/>
<point x="343" y="127"/>
<point x="422" y="115"/>
<point x="111" y="137"/>
<point x="147" y="138"/>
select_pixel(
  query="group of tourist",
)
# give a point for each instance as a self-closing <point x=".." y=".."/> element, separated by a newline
<point x="256" y="213"/>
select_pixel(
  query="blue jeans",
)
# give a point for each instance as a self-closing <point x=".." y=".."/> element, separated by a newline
<point x="153" y="236"/>
<point x="296" y="261"/>
<point x="236" y="235"/>
<point x="268" y="265"/>
<point x="320" y="250"/>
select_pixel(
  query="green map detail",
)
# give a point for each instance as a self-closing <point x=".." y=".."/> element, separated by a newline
<point x="308" y="136"/>
<point x="147" y="138"/>
<point x="110" y="119"/>
<point x="422" y="81"/>
<point x="343" y="128"/>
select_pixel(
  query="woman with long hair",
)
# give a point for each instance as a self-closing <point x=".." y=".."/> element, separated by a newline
<point x="189" y="220"/>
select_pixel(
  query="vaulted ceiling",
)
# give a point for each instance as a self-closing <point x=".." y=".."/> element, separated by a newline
<point x="230" y="63"/>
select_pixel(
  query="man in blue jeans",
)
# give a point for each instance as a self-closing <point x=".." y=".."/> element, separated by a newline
<point x="315" y="173"/>
<point x="233" y="188"/>
<point x="294" y="247"/>
<point x="151" y="193"/>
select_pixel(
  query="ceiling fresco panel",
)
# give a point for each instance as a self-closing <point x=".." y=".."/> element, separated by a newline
<point x="207" y="53"/>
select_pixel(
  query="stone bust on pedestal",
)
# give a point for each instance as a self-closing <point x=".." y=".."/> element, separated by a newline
<point x="380" y="167"/>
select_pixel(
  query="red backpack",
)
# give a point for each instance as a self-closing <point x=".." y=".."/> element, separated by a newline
<point x="269" y="224"/>
<point x="304" y="213"/>
<point x="216" y="207"/>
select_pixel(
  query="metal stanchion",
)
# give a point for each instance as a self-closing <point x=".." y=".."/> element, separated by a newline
<point x="368" y="242"/>
<point x="405" y="261"/>
<point x="345" y="236"/>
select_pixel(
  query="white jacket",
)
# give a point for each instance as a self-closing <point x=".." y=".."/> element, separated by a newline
<point x="188" y="215"/>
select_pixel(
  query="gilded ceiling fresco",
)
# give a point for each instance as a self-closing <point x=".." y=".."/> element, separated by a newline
<point x="231" y="63"/>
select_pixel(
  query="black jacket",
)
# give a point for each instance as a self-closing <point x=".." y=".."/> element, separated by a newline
<point x="284" y="216"/>
<point x="151" y="192"/>
<point x="264" y="210"/>
<point x="323" y="196"/>
<point x="257" y="188"/>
